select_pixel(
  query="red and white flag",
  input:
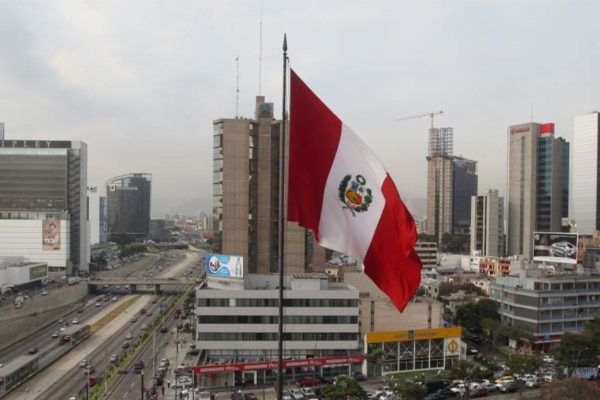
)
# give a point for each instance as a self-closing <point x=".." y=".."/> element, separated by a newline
<point x="339" y="189"/>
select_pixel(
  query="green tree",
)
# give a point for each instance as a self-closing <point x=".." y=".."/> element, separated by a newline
<point x="569" y="389"/>
<point x="374" y="357"/>
<point x="423" y="237"/>
<point x="467" y="369"/>
<point x="408" y="390"/>
<point x="576" y="350"/>
<point x="343" y="387"/>
<point x="123" y="238"/>
<point x="471" y="314"/>
<point x="524" y="364"/>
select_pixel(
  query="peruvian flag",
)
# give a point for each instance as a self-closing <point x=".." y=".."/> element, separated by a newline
<point x="339" y="189"/>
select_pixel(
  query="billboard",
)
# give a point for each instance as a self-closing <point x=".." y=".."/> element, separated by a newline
<point x="224" y="266"/>
<point x="51" y="234"/>
<point x="555" y="247"/>
<point x="38" y="271"/>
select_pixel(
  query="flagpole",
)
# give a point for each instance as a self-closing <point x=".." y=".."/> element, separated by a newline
<point x="281" y="225"/>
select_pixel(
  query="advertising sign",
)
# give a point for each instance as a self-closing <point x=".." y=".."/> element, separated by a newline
<point x="38" y="272"/>
<point x="224" y="266"/>
<point x="555" y="247"/>
<point x="51" y="234"/>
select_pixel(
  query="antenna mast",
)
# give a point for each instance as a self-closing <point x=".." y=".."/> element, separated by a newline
<point x="237" y="87"/>
<point x="260" y="54"/>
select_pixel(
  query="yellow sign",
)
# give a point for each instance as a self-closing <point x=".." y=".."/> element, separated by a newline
<point x="417" y="334"/>
<point x="452" y="346"/>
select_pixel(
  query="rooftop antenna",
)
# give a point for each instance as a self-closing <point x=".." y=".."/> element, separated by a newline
<point x="237" y="87"/>
<point x="260" y="54"/>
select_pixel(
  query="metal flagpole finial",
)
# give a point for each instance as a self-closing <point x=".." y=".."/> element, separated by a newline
<point x="284" y="42"/>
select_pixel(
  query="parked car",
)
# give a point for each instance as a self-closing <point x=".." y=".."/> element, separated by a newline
<point x="128" y="336"/>
<point x="114" y="358"/>
<point x="308" y="381"/>
<point x="163" y="329"/>
<point x="479" y="391"/>
<point x="308" y="392"/>
<point x="125" y="345"/>
<point x="296" y="394"/>
<point x="358" y="376"/>
<point x="509" y="387"/>
<point x="75" y="321"/>
<point x="250" y="396"/>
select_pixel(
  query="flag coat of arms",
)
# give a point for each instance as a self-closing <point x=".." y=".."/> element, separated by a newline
<point x="338" y="188"/>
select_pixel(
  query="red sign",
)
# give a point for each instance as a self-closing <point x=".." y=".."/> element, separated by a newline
<point x="260" y="365"/>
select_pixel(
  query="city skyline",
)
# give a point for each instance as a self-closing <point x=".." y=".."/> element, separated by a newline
<point x="145" y="98"/>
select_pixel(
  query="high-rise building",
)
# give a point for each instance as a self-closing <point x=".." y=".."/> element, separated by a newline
<point x="103" y="219"/>
<point x="451" y="181"/>
<point x="586" y="175"/>
<point x="538" y="184"/>
<point x="128" y="197"/>
<point x="43" y="205"/>
<point x="1" y="130"/>
<point x="245" y="193"/>
<point x="93" y="199"/>
<point x="487" y="224"/>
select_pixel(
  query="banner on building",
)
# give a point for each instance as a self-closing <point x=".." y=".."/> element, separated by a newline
<point x="51" y="234"/>
<point x="224" y="266"/>
<point x="555" y="247"/>
<point x="38" y="272"/>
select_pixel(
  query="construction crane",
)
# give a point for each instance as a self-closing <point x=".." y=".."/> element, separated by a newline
<point x="430" y="115"/>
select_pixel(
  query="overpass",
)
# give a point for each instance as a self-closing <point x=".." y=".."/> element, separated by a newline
<point x="136" y="285"/>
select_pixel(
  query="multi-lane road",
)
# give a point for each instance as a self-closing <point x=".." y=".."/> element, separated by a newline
<point x="72" y="382"/>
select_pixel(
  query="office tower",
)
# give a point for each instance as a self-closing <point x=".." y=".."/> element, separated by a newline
<point x="103" y="219"/>
<point x="128" y="200"/>
<point x="538" y="184"/>
<point x="586" y="178"/>
<point x="487" y="224"/>
<point x="93" y="199"/>
<point x="451" y="181"/>
<point x="1" y="130"/>
<point x="246" y="193"/>
<point x="43" y="206"/>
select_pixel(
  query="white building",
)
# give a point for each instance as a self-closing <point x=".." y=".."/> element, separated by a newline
<point x="93" y="214"/>
<point x="16" y="271"/>
<point x="487" y="224"/>
<point x="41" y="237"/>
<point x="585" y="177"/>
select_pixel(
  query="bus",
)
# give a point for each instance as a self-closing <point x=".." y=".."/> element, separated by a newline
<point x="75" y="334"/>
<point x="16" y="372"/>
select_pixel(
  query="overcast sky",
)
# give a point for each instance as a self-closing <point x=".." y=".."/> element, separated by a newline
<point x="142" y="81"/>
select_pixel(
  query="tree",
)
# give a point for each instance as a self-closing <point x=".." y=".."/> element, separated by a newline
<point x="123" y="238"/>
<point x="490" y="328"/>
<point x="343" y="387"/>
<point x="374" y="358"/>
<point x="408" y="390"/>
<point x="467" y="369"/>
<point x="524" y="364"/>
<point x="569" y="389"/>
<point x="576" y="350"/>
<point x="471" y="314"/>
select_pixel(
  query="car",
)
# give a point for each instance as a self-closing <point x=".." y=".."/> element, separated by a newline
<point x="83" y="363"/>
<point x="548" y="359"/>
<point x="80" y="310"/>
<point x="98" y="304"/>
<point x="509" y="387"/>
<point x="163" y="329"/>
<point x="236" y="396"/>
<point x="62" y="329"/>
<point x="532" y="383"/>
<point x="358" y="376"/>
<point x="308" y="381"/>
<point x="114" y="358"/>
<point x="144" y="327"/>
<point x="563" y="249"/>
<point x="490" y="387"/>
<point x="286" y="396"/>
<point x="250" y="396"/>
<point x="89" y="370"/>
<point x="75" y="321"/>
<point x="61" y="321"/>
<point x="125" y="345"/>
<point x="92" y="381"/>
<point x="479" y="391"/>
<point x="442" y="394"/>
<point x="33" y="350"/>
<point x="296" y="394"/>
<point x="138" y="365"/>
<point x="114" y="298"/>
<point x="54" y="334"/>
<point x="128" y="336"/>
<point x="44" y="293"/>
<point x="143" y="311"/>
<point x="308" y="392"/>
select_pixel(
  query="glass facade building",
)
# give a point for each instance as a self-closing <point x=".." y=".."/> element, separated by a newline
<point x="464" y="186"/>
<point x="586" y="183"/>
<point x="42" y="175"/>
<point x="128" y="202"/>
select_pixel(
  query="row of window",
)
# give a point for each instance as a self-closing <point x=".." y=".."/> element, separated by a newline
<point x="275" y="302"/>
<point x="264" y="336"/>
<point x="272" y="319"/>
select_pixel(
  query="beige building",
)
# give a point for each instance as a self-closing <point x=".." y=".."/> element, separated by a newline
<point x="245" y="193"/>
<point x="428" y="253"/>
<point x="378" y="314"/>
<point x="487" y="224"/>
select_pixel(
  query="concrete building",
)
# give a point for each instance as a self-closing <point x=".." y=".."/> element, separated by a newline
<point x="43" y="180"/>
<point x="586" y="178"/>
<point x="451" y="181"/>
<point x="428" y="253"/>
<point x="547" y="306"/>
<point x="128" y="201"/>
<point x="1" y="130"/>
<point x="538" y="184"/>
<point x="16" y="272"/>
<point x="103" y="204"/>
<point x="493" y="266"/>
<point x="237" y="319"/>
<point x="245" y="193"/>
<point x="378" y="314"/>
<point x="487" y="224"/>
<point x="93" y="198"/>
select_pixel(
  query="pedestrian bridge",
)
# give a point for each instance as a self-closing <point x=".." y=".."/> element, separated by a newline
<point x="139" y="285"/>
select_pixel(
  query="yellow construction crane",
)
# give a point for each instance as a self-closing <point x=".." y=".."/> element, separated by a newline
<point x="430" y="115"/>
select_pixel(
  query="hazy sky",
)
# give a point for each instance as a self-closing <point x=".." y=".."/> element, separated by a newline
<point x="142" y="81"/>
